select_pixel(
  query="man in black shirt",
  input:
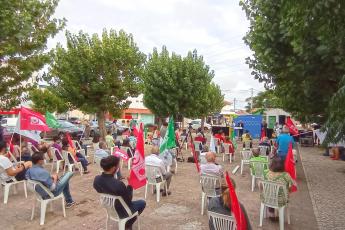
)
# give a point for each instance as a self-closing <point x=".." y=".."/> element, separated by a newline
<point x="106" y="183"/>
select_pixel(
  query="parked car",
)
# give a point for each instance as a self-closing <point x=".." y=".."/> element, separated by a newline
<point x="8" y="125"/>
<point x="108" y="125"/>
<point x="74" y="120"/>
<point x="196" y="124"/>
<point x="65" y="126"/>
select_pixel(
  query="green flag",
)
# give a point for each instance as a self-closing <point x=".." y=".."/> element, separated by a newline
<point x="169" y="138"/>
<point x="51" y="120"/>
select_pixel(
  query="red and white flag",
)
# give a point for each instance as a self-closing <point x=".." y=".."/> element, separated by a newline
<point x="293" y="129"/>
<point x="120" y="153"/>
<point x="137" y="176"/>
<point x="290" y="167"/>
<point x="241" y="222"/>
<point x="31" y="120"/>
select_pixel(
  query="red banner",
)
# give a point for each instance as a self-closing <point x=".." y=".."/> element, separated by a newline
<point x="293" y="129"/>
<point x="290" y="167"/>
<point x="137" y="177"/>
<point x="241" y="222"/>
<point x="30" y="120"/>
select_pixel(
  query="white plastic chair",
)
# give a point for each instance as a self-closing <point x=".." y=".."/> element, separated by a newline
<point x="263" y="150"/>
<point x="152" y="174"/>
<point x="245" y="158"/>
<point x="270" y="196"/>
<point x="56" y="161"/>
<point x="129" y="162"/>
<point x="257" y="171"/>
<point x="98" y="164"/>
<point x="69" y="165"/>
<point x="227" y="152"/>
<point x="95" y="146"/>
<point x="222" y="222"/>
<point x="209" y="186"/>
<point x="108" y="202"/>
<point x="43" y="203"/>
<point x="7" y="186"/>
<point x="80" y="150"/>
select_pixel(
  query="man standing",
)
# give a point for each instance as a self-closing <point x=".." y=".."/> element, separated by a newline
<point x="154" y="160"/>
<point x="55" y="184"/>
<point x="283" y="142"/>
<point x="240" y="131"/>
<point x="106" y="183"/>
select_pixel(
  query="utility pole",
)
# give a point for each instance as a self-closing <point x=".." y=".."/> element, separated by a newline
<point x="251" y="98"/>
<point x="234" y="104"/>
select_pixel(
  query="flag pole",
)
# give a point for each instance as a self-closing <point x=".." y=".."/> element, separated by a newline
<point x="20" y="137"/>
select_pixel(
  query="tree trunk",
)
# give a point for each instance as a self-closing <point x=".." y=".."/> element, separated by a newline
<point x="101" y="124"/>
<point x="202" y="123"/>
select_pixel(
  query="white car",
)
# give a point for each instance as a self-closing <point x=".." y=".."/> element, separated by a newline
<point x="197" y="124"/>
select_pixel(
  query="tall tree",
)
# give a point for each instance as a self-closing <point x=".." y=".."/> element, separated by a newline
<point x="97" y="74"/>
<point x="298" y="51"/>
<point x="25" y="27"/>
<point x="265" y="99"/>
<point x="178" y="86"/>
<point x="44" y="100"/>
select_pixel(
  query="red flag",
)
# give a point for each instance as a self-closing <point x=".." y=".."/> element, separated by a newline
<point x="194" y="155"/>
<point x="137" y="177"/>
<point x="120" y="153"/>
<point x="135" y="131"/>
<point x="69" y="139"/>
<point x="292" y="127"/>
<point x="30" y="120"/>
<point x="241" y="222"/>
<point x="290" y="167"/>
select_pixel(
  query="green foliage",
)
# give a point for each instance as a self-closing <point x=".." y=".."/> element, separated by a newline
<point x="25" y="27"/>
<point x="299" y="52"/>
<point x="265" y="99"/>
<point x="97" y="74"/>
<point x="44" y="100"/>
<point x="179" y="86"/>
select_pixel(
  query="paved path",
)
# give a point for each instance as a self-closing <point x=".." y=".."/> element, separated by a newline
<point x="326" y="179"/>
<point x="180" y="211"/>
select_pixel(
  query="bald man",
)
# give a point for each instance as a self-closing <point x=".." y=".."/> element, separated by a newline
<point x="211" y="167"/>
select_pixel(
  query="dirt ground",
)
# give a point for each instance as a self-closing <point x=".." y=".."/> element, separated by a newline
<point x="180" y="211"/>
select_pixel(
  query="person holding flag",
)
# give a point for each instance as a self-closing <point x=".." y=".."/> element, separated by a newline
<point x="168" y="143"/>
<point x="277" y="173"/>
<point x="227" y="204"/>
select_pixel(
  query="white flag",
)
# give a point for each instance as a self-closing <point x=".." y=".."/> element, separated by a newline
<point x="212" y="145"/>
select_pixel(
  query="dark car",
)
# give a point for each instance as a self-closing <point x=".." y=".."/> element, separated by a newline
<point x="65" y="126"/>
<point x="74" y="120"/>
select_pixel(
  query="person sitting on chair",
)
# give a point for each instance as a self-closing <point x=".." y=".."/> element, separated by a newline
<point x="109" y="139"/>
<point x="247" y="138"/>
<point x="221" y="205"/>
<point x="78" y="156"/>
<point x="107" y="184"/>
<point x="266" y="142"/>
<point x="102" y="152"/>
<point x="154" y="160"/>
<point x="211" y="167"/>
<point x="257" y="158"/>
<point x="9" y="171"/>
<point x="55" y="184"/>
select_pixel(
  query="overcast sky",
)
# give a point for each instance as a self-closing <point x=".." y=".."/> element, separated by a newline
<point x="214" y="27"/>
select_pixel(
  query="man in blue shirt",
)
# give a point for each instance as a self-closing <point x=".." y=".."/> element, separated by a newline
<point x="283" y="142"/>
<point x="52" y="182"/>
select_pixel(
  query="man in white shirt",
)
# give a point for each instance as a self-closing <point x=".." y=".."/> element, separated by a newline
<point x="9" y="172"/>
<point x="211" y="167"/>
<point x="154" y="160"/>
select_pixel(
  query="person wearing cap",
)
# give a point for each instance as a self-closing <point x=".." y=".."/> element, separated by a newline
<point x="282" y="143"/>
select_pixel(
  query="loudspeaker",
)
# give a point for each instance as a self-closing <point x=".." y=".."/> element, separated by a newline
<point x="281" y="119"/>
